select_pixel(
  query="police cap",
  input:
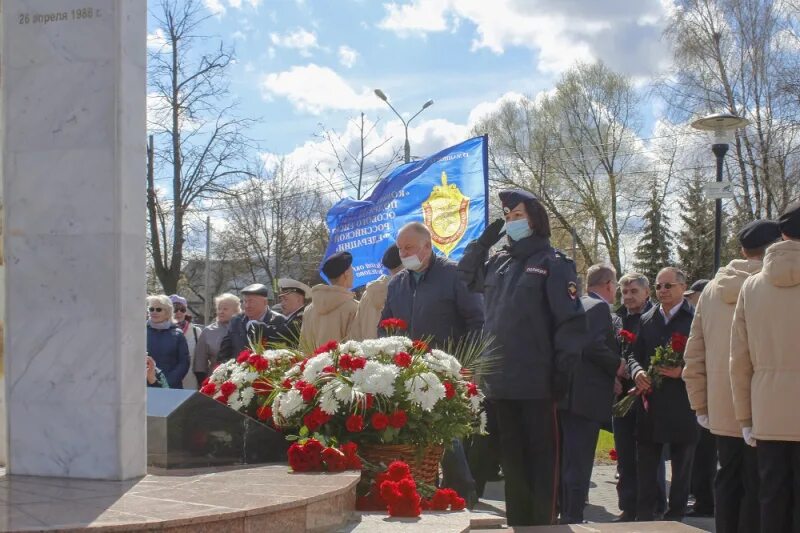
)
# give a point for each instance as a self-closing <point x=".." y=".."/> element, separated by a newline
<point x="391" y="257"/>
<point x="790" y="221"/>
<point x="759" y="233"/>
<point x="337" y="264"/>
<point x="511" y="198"/>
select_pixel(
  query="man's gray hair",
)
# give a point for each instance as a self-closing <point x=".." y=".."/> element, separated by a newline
<point x="680" y="275"/>
<point x="600" y="274"/>
<point x="417" y="227"/>
<point x="634" y="277"/>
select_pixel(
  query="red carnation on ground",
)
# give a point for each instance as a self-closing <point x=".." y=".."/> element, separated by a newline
<point x="334" y="460"/>
<point x="678" y="342"/>
<point x="398" y="419"/>
<point x="379" y="421"/>
<point x="264" y="412"/>
<point x="354" y="423"/>
<point x="244" y="355"/>
<point x="398" y="470"/>
<point x="402" y="359"/>
<point x="227" y="388"/>
<point x="449" y="390"/>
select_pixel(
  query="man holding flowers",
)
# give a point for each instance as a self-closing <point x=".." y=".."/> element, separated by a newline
<point x="664" y="415"/>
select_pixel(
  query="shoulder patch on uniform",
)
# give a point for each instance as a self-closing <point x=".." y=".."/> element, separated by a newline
<point x="562" y="255"/>
<point x="536" y="270"/>
<point x="572" y="290"/>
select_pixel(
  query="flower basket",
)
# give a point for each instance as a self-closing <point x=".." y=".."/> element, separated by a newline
<point x="424" y="463"/>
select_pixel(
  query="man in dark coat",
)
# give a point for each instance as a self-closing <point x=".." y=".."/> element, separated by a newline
<point x="292" y="296"/>
<point x="635" y="289"/>
<point x="431" y="298"/>
<point x="257" y="322"/>
<point x="588" y="404"/>
<point x="536" y="317"/>
<point x="664" y="415"/>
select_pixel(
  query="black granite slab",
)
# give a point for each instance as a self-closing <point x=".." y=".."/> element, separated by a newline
<point x="186" y="429"/>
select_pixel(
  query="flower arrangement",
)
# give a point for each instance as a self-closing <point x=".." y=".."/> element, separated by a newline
<point x="391" y="390"/>
<point x="246" y="383"/>
<point x="311" y="455"/>
<point x="669" y="355"/>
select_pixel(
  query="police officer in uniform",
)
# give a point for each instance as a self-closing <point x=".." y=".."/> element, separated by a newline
<point x="292" y="296"/>
<point x="534" y="312"/>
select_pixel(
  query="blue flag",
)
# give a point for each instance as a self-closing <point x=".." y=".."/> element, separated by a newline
<point x="447" y="192"/>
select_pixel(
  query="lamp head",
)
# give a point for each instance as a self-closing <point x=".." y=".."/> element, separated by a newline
<point x="427" y="104"/>
<point x="720" y="126"/>
<point x="380" y="94"/>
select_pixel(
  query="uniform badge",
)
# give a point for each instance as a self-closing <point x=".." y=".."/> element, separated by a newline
<point x="572" y="290"/>
<point x="536" y="270"/>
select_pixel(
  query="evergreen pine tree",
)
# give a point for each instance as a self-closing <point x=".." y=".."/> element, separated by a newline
<point x="653" y="251"/>
<point x="696" y="239"/>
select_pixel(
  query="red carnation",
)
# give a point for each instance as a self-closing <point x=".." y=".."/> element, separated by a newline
<point x="369" y="399"/>
<point x="354" y="423"/>
<point x="261" y="363"/>
<point x="327" y="347"/>
<point x="316" y="418"/>
<point x="421" y="346"/>
<point x="345" y="362"/>
<point x="440" y="500"/>
<point x="349" y="448"/>
<point x="227" y="388"/>
<point x="379" y="421"/>
<point x="391" y="324"/>
<point x="287" y="383"/>
<point x="208" y="389"/>
<point x="398" y="470"/>
<point x="222" y="399"/>
<point x="627" y="336"/>
<point x="329" y="369"/>
<point x="244" y="355"/>
<point x="402" y="359"/>
<point x="678" y="342"/>
<point x="472" y="389"/>
<point x="300" y="385"/>
<point x="262" y="386"/>
<point x="357" y="363"/>
<point x="264" y="412"/>
<point x="308" y="392"/>
<point x="449" y="390"/>
<point x="334" y="460"/>
<point x="458" y="503"/>
<point x="612" y="454"/>
<point x="398" y="419"/>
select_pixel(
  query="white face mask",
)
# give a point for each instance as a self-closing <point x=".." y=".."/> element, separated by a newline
<point x="411" y="262"/>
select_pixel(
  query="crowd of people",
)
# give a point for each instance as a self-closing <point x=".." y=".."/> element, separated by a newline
<point x="559" y="360"/>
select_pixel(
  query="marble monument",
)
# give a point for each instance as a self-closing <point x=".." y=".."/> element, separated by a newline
<point x="72" y="76"/>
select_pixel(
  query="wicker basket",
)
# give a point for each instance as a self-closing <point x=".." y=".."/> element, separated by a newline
<point x="424" y="466"/>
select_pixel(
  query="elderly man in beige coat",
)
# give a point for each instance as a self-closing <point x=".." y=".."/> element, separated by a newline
<point x="765" y="375"/>
<point x="708" y="383"/>
<point x="332" y="311"/>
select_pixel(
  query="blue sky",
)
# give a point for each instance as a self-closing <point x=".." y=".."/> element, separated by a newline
<point x="305" y="63"/>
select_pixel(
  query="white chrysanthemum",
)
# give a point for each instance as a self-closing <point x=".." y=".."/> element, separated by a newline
<point x="475" y="402"/>
<point x="425" y="390"/>
<point x="440" y="361"/>
<point x="385" y="346"/>
<point x="343" y="393"/>
<point x="235" y="401"/>
<point x="247" y="395"/>
<point x="315" y="365"/>
<point x="274" y="355"/>
<point x="327" y="398"/>
<point x="219" y="373"/>
<point x="291" y="402"/>
<point x="483" y="422"/>
<point x="238" y="377"/>
<point x="375" y="378"/>
<point x="350" y="347"/>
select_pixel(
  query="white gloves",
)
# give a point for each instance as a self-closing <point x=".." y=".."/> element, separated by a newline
<point x="703" y="420"/>
<point x="747" y="433"/>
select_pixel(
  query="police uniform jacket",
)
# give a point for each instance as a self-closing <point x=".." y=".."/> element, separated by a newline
<point x="272" y="329"/>
<point x="592" y="388"/>
<point x="534" y="313"/>
<point x="438" y="305"/>
<point x="668" y="418"/>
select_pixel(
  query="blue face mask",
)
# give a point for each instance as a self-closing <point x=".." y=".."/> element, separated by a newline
<point x="518" y="229"/>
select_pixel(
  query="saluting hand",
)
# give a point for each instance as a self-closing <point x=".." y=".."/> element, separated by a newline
<point x="492" y="233"/>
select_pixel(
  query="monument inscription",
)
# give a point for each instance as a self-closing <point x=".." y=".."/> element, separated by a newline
<point x="79" y="14"/>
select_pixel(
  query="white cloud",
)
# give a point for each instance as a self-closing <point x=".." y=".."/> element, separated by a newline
<point x="314" y="89"/>
<point x="254" y="3"/>
<point x="485" y="109"/>
<point x="215" y="6"/>
<point x="238" y="36"/>
<point x="271" y="52"/>
<point x="156" y="40"/>
<point x="300" y="39"/>
<point x="236" y="4"/>
<point x="347" y="56"/>
<point x="625" y="34"/>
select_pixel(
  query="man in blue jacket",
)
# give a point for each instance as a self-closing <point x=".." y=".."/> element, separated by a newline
<point x="588" y="404"/>
<point x="429" y="296"/>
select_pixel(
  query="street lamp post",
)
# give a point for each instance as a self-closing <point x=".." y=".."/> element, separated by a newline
<point x="720" y="126"/>
<point x="407" y="147"/>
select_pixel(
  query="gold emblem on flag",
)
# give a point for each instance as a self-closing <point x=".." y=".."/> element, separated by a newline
<point x="446" y="214"/>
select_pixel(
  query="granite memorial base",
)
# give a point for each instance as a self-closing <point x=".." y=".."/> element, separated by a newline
<point x="187" y="429"/>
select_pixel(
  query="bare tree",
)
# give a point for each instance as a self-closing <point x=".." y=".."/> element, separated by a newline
<point x="355" y="158"/>
<point x="200" y="143"/>
<point x="731" y="56"/>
